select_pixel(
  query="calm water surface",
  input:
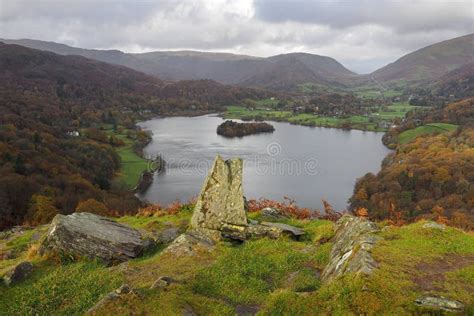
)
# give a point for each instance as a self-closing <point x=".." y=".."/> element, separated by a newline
<point x="303" y="163"/>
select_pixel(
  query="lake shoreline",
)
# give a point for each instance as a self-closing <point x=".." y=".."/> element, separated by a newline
<point x="171" y="139"/>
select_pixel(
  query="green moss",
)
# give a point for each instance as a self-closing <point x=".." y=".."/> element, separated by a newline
<point x="150" y="222"/>
<point x="392" y="288"/>
<point x="285" y="302"/>
<point x="461" y="282"/>
<point x="59" y="290"/>
<point x="403" y="250"/>
<point x="247" y="273"/>
<point x="277" y="277"/>
<point x="174" y="301"/>
<point x="316" y="230"/>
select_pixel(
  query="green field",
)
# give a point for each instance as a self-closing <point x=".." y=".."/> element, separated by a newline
<point x="396" y="110"/>
<point x="373" y="93"/>
<point x="311" y="87"/>
<point x="357" y="122"/>
<point x="372" y="123"/>
<point x="374" y="90"/>
<point x="434" y="128"/>
<point x="238" y="112"/>
<point x="132" y="165"/>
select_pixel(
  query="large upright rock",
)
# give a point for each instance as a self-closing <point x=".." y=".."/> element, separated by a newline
<point x="221" y="201"/>
<point x="220" y="213"/>
<point x="351" y="252"/>
<point x="93" y="236"/>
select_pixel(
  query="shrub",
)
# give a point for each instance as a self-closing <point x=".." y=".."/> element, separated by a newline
<point x="92" y="206"/>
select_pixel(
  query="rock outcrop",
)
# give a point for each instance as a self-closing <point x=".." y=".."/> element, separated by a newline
<point x="434" y="225"/>
<point x="162" y="282"/>
<point x="440" y="303"/>
<point x="351" y="252"/>
<point x="220" y="212"/>
<point x="286" y="229"/>
<point x="272" y="213"/>
<point x="124" y="289"/>
<point x="93" y="236"/>
<point x="190" y="243"/>
<point x="18" y="274"/>
<point x="168" y="235"/>
<point x="221" y="201"/>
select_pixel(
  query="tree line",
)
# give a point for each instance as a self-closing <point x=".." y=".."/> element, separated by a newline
<point x="52" y="153"/>
<point x="429" y="177"/>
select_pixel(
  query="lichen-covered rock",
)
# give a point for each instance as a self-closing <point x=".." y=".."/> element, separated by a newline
<point x="221" y="200"/>
<point x="168" y="235"/>
<point x="272" y="213"/>
<point x="162" y="282"/>
<point x="18" y="274"/>
<point x="191" y="243"/>
<point x="434" y="225"/>
<point x="257" y="230"/>
<point x="93" y="236"/>
<point x="440" y="303"/>
<point x="351" y="251"/>
<point x="220" y="212"/>
<point x="287" y="229"/>
<point x="124" y="289"/>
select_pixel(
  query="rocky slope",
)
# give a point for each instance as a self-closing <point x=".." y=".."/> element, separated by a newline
<point x="350" y="267"/>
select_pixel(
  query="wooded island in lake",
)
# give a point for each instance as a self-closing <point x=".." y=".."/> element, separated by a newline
<point x="235" y="129"/>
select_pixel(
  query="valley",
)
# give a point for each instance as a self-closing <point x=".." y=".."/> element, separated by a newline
<point x="329" y="192"/>
<point x="302" y="163"/>
<point x="284" y="72"/>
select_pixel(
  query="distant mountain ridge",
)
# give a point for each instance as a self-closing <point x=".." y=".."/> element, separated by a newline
<point x="281" y="72"/>
<point x="430" y="62"/>
<point x="276" y="72"/>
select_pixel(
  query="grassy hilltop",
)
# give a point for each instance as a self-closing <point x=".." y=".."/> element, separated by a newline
<point x="268" y="277"/>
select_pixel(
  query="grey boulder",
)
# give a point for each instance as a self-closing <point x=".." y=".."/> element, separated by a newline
<point x="190" y="243"/>
<point x="93" y="236"/>
<point x="168" y="235"/>
<point x="434" y="225"/>
<point x="272" y="213"/>
<point x="162" y="282"/>
<point x="18" y="274"/>
<point x="351" y="251"/>
<point x="124" y="289"/>
<point x="440" y="303"/>
<point x="286" y="229"/>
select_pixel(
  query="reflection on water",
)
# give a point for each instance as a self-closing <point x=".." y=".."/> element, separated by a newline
<point x="305" y="164"/>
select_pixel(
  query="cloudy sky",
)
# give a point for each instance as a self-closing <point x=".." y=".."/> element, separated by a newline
<point x="362" y="34"/>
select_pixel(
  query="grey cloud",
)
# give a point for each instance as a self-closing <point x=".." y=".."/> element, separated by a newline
<point x="414" y="15"/>
<point x="86" y="11"/>
<point x="351" y="32"/>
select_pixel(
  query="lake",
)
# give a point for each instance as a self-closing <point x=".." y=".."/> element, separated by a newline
<point x="306" y="164"/>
